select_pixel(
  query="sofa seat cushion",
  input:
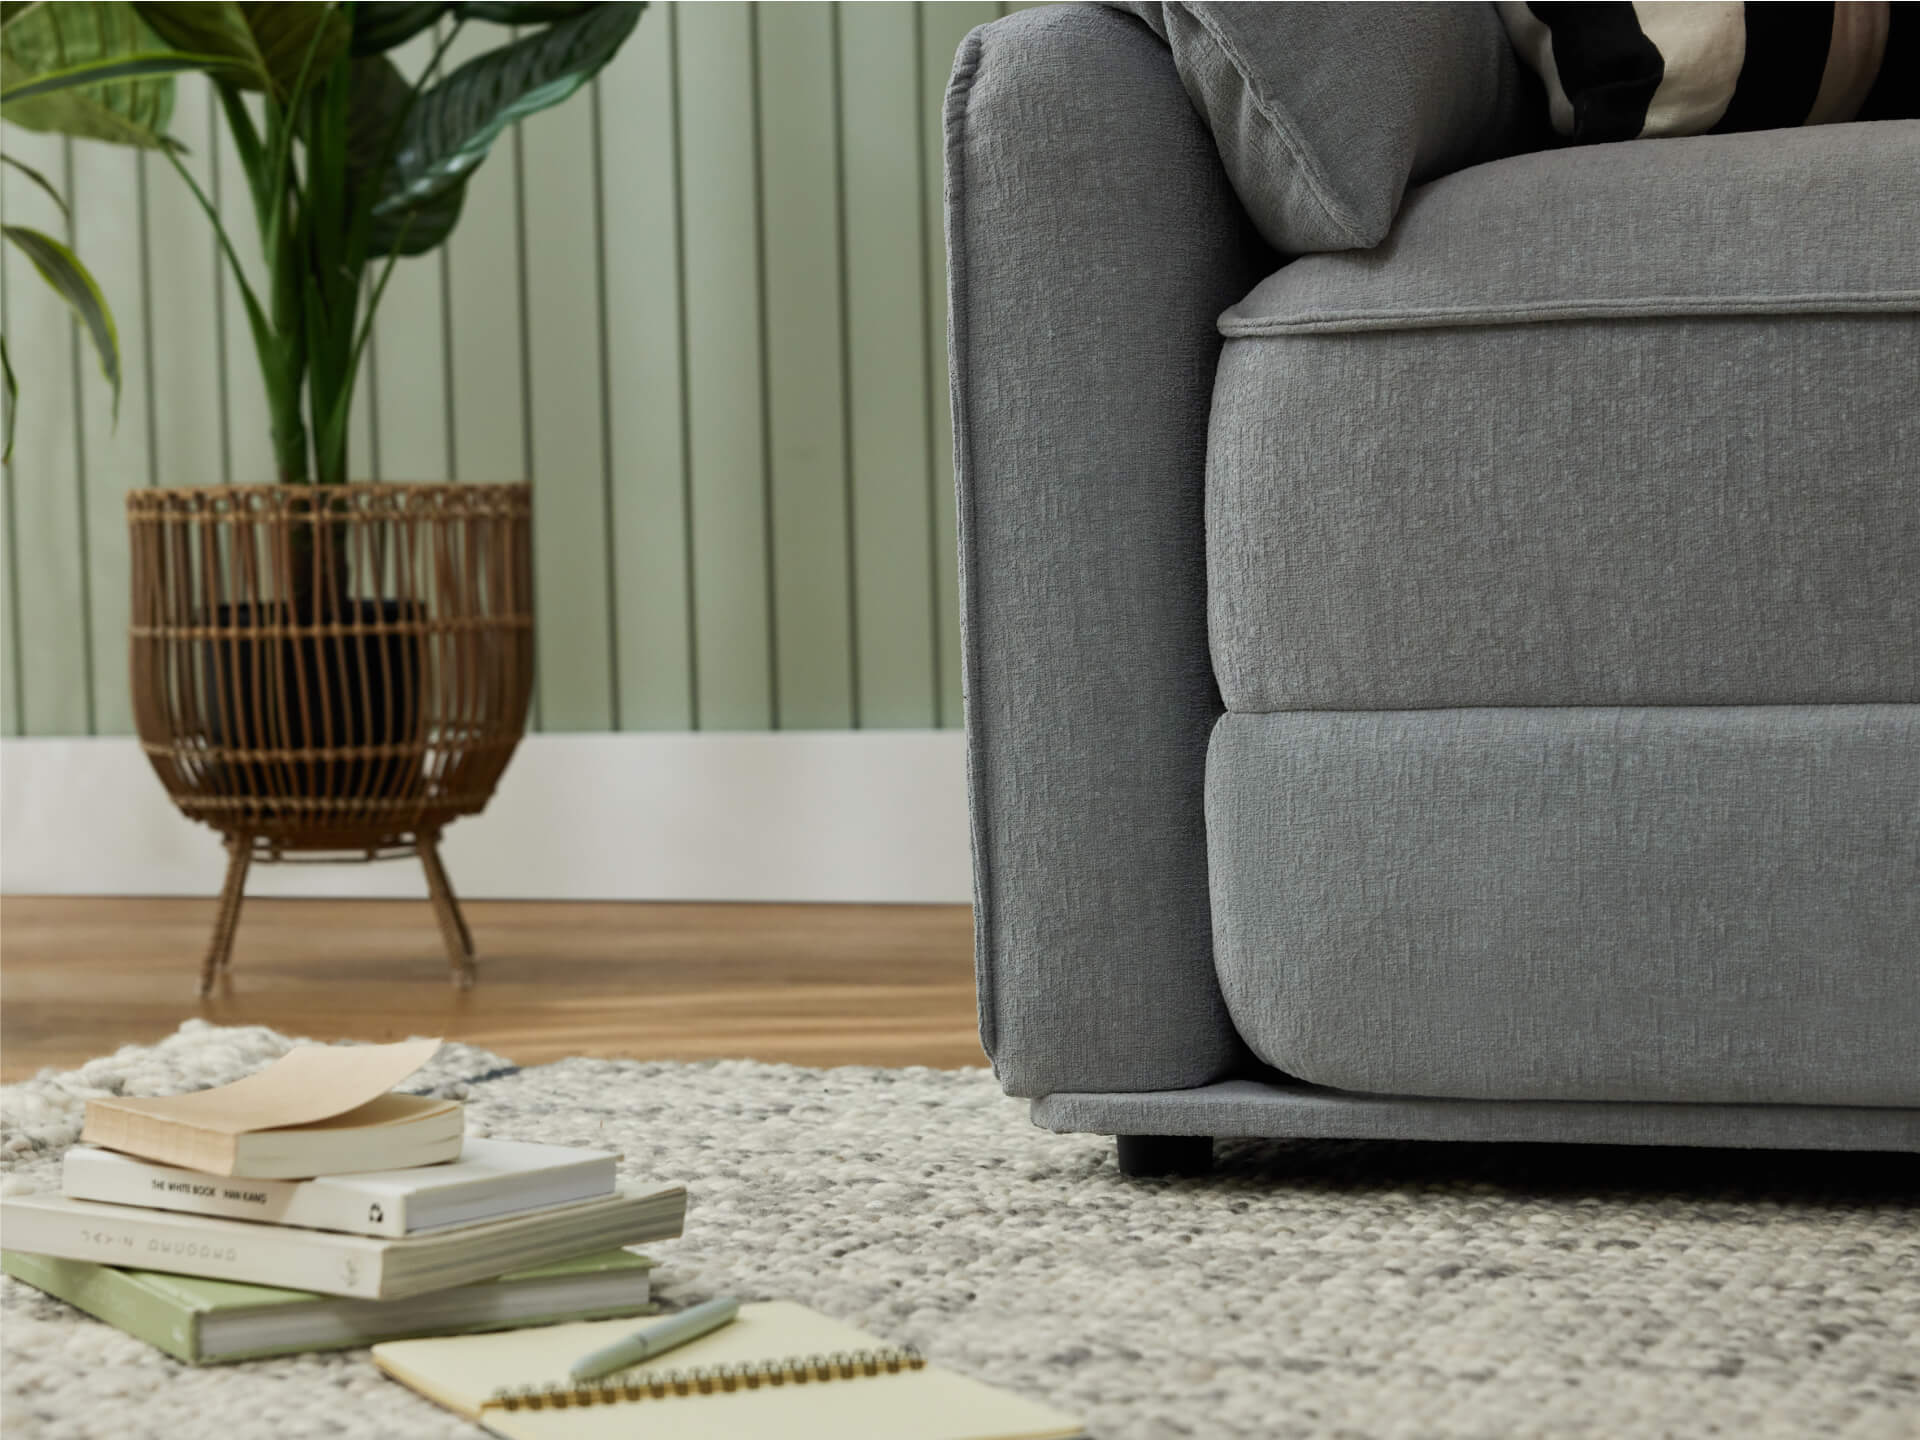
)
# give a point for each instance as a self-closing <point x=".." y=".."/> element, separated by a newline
<point x="1625" y="425"/>
<point x="1691" y="904"/>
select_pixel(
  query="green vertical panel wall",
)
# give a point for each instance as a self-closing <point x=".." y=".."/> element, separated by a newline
<point x="641" y="185"/>
<point x="50" y="585"/>
<point x="247" y="453"/>
<point x="185" y="376"/>
<point x="701" y="306"/>
<point x="111" y="232"/>
<point x="726" y="411"/>
<point x="887" y="342"/>
<point x="410" y="337"/>
<point x="485" y="350"/>
<point x="571" y="561"/>
<point x="806" y="417"/>
<point x="9" y="689"/>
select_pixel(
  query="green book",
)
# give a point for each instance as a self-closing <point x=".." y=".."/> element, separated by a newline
<point x="202" y="1321"/>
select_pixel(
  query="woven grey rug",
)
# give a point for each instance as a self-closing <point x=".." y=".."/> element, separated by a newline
<point x="1304" y="1290"/>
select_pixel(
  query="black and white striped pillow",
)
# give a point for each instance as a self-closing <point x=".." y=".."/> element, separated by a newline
<point x="1629" y="71"/>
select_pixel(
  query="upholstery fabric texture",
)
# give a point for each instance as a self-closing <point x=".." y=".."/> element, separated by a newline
<point x="1780" y="223"/>
<point x="1697" y="488"/>
<point x="1324" y="113"/>
<point x="1093" y="241"/>
<point x="1288" y="1108"/>
<point x="1691" y="904"/>
<point x="1554" y="562"/>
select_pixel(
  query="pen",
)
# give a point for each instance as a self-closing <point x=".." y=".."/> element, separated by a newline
<point x="675" y="1330"/>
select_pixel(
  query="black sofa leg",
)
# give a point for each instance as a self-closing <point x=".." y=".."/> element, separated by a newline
<point x="1165" y="1155"/>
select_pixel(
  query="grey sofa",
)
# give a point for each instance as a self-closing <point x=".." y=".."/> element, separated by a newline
<point x="1460" y="686"/>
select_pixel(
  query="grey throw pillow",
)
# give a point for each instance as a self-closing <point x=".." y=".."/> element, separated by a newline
<point x="1324" y="114"/>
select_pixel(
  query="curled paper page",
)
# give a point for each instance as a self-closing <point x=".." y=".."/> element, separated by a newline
<point x="308" y="1084"/>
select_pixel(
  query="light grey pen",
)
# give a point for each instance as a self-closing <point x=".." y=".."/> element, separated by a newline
<point x="665" y="1334"/>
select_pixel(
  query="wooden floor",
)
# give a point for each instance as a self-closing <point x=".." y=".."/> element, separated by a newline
<point x="814" y="985"/>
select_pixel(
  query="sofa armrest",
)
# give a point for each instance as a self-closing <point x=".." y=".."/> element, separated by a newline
<point x="1093" y="239"/>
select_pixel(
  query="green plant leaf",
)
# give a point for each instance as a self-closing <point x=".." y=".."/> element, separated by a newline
<point x="452" y="126"/>
<point x="75" y="284"/>
<point x="38" y="179"/>
<point x="381" y="98"/>
<point x="106" y="72"/>
<point x="378" y="28"/>
<point x="11" y="391"/>
<point x="419" y="228"/>
<point x="51" y="47"/>
<point x="263" y="45"/>
<point x="529" y="12"/>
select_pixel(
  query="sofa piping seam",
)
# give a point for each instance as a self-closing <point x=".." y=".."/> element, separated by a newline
<point x="1527" y="312"/>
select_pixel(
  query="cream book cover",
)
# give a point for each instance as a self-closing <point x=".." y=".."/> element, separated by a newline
<point x="315" y="1111"/>
<point x="468" y="1373"/>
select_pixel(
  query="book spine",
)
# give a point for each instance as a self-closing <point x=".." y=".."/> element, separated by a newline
<point x="160" y="1241"/>
<point x="113" y="1297"/>
<point x="90" y="1176"/>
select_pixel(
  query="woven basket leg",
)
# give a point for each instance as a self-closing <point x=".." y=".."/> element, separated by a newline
<point x="227" y="919"/>
<point x="453" y="926"/>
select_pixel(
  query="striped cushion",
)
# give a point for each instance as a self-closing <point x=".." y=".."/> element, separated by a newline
<point x="1624" y="71"/>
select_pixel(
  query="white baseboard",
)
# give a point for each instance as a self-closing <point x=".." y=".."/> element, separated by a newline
<point x="793" y="816"/>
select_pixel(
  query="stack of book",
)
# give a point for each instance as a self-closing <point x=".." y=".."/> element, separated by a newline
<point x="311" y="1206"/>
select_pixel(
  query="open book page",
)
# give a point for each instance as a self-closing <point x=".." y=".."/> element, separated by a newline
<point x="309" y="1083"/>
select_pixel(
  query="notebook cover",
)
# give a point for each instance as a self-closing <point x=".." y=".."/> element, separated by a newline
<point x="165" y="1310"/>
<point x="462" y="1373"/>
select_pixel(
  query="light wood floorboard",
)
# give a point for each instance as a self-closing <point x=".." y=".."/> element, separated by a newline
<point x="814" y="985"/>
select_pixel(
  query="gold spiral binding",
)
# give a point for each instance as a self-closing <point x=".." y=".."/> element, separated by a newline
<point x="709" y="1380"/>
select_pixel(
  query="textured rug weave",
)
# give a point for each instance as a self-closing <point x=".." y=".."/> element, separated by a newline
<point x="1326" y="1289"/>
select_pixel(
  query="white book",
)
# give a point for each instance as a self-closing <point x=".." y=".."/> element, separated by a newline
<point x="377" y="1268"/>
<point x="490" y="1180"/>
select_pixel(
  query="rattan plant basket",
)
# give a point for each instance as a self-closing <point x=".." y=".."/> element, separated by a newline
<point x="332" y="671"/>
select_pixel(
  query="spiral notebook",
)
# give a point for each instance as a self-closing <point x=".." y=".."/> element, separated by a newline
<point x="779" y="1370"/>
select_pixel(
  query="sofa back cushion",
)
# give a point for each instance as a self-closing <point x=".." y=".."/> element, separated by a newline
<point x="1324" y="114"/>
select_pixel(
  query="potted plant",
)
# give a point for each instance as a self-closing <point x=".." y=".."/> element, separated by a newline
<point x="318" y="665"/>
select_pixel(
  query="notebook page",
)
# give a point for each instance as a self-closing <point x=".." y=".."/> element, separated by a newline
<point x="461" y="1372"/>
